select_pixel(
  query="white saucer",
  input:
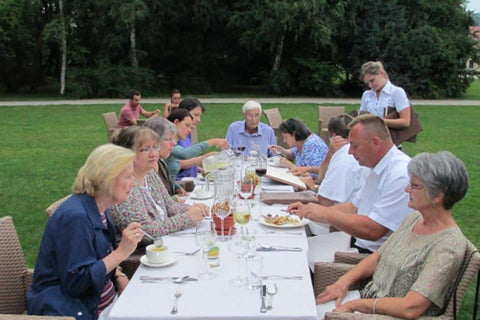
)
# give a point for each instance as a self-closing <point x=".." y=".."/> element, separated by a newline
<point x="207" y="195"/>
<point x="170" y="260"/>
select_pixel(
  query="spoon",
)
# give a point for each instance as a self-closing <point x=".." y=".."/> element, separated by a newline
<point x="271" y="291"/>
<point x="157" y="240"/>
<point x="178" y="294"/>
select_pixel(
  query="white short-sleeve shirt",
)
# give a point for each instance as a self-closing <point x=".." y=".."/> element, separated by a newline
<point x="344" y="177"/>
<point x="383" y="198"/>
<point x="390" y="96"/>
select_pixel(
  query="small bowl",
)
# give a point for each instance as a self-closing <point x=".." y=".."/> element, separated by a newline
<point x="157" y="254"/>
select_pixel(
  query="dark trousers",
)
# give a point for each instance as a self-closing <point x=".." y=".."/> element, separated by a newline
<point x="360" y="249"/>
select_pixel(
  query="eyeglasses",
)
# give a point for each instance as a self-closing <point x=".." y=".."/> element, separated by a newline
<point x="148" y="149"/>
<point x="415" y="186"/>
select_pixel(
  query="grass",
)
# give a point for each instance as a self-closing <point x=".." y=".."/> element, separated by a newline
<point x="473" y="92"/>
<point x="43" y="147"/>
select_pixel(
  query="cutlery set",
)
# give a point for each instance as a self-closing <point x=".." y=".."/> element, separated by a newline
<point x="277" y="248"/>
<point x="149" y="279"/>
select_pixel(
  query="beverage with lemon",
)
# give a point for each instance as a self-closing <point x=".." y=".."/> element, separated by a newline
<point x="211" y="255"/>
<point x="241" y="217"/>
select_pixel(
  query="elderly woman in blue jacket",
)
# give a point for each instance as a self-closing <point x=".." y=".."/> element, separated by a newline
<point x="77" y="271"/>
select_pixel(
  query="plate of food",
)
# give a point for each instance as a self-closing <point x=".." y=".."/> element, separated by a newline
<point x="283" y="221"/>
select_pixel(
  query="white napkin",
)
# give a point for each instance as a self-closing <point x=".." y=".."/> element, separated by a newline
<point x="277" y="188"/>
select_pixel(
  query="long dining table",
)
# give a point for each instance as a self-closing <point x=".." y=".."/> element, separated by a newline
<point x="216" y="298"/>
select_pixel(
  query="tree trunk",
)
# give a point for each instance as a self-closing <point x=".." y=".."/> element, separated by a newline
<point x="63" y="49"/>
<point x="133" y="45"/>
<point x="278" y="54"/>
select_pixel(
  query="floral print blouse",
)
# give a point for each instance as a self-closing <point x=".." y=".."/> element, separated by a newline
<point x="153" y="208"/>
<point x="313" y="152"/>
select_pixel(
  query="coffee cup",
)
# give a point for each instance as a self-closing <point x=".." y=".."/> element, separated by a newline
<point x="157" y="254"/>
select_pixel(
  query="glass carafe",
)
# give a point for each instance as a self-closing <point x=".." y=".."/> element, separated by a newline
<point x="218" y="161"/>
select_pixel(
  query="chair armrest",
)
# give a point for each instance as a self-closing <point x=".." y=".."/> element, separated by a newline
<point x="357" y="316"/>
<point x="326" y="273"/>
<point x="349" y="257"/>
<point x="27" y="279"/>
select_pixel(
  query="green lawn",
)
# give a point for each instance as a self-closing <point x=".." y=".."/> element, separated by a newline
<point x="42" y="148"/>
<point x="473" y="92"/>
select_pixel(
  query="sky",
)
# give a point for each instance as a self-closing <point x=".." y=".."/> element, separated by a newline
<point x="474" y="5"/>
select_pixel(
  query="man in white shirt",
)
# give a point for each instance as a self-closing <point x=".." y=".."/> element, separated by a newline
<point x="381" y="205"/>
<point x="343" y="176"/>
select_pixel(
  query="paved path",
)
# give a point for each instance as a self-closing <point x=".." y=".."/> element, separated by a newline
<point x="234" y="100"/>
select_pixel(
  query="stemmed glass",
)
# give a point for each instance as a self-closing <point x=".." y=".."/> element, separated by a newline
<point x="206" y="241"/>
<point x="246" y="187"/>
<point x="222" y="210"/>
<point x="241" y="213"/>
<point x="238" y="246"/>
<point x="261" y="169"/>
<point x="238" y="150"/>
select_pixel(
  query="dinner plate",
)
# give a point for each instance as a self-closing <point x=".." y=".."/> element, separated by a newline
<point x="273" y="164"/>
<point x="302" y="223"/>
<point x="171" y="260"/>
<point x="207" y="195"/>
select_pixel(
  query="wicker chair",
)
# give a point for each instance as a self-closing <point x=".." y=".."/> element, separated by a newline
<point x="324" y="116"/>
<point x="275" y="120"/>
<point x="54" y="206"/>
<point x="327" y="273"/>
<point x="15" y="278"/>
<point x="111" y="122"/>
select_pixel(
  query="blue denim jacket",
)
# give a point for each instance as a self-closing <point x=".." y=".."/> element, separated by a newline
<point x="70" y="274"/>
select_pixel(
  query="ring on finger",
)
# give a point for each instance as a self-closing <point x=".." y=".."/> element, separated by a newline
<point x="137" y="235"/>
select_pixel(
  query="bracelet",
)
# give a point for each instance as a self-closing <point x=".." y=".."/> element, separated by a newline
<point x="374" y="306"/>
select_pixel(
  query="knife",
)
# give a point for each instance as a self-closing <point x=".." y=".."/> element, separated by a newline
<point x="280" y="277"/>
<point x="149" y="278"/>
<point x="263" y="294"/>
<point x="280" y="249"/>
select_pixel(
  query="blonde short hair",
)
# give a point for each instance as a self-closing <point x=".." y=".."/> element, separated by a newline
<point x="373" y="125"/>
<point x="372" y="67"/>
<point x="101" y="168"/>
<point x="134" y="136"/>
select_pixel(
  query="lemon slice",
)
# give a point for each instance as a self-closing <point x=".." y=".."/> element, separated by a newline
<point x="213" y="252"/>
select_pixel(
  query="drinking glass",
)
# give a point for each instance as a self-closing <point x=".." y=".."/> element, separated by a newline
<point x="241" y="212"/>
<point x="246" y="187"/>
<point x="238" y="246"/>
<point x="261" y="169"/>
<point x="210" y="253"/>
<point x="254" y="271"/>
<point x="222" y="211"/>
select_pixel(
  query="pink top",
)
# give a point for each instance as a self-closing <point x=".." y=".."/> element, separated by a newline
<point x="127" y="113"/>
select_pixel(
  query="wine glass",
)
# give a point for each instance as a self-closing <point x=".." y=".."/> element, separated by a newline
<point x="210" y="253"/>
<point x="238" y="246"/>
<point x="261" y="169"/>
<point x="222" y="210"/>
<point x="238" y="150"/>
<point x="246" y="187"/>
<point x="241" y="213"/>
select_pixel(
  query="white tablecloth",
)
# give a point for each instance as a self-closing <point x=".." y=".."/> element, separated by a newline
<point x="216" y="299"/>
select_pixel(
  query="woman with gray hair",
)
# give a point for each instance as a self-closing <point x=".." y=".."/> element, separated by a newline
<point x="167" y="132"/>
<point x="414" y="271"/>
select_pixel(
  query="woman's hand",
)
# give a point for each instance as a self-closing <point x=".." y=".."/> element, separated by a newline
<point x="336" y="291"/>
<point x="219" y="143"/>
<point x="198" y="211"/>
<point x="131" y="236"/>
<point x="299" y="171"/>
<point x="276" y="149"/>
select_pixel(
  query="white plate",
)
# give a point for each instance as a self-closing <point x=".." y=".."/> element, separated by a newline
<point x="171" y="260"/>
<point x="207" y="195"/>
<point x="302" y="223"/>
<point x="273" y="164"/>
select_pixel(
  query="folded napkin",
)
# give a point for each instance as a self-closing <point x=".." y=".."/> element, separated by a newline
<point x="288" y="197"/>
<point x="277" y="188"/>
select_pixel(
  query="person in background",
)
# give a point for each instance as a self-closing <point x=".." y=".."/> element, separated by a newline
<point x="414" y="272"/>
<point x="167" y="132"/>
<point x="251" y="133"/>
<point x="175" y="99"/>
<point x="307" y="148"/>
<point x="130" y="112"/>
<point x="196" y="109"/>
<point x="180" y="157"/>
<point x="380" y="206"/>
<point x="149" y="202"/>
<point x="77" y="273"/>
<point x="383" y="94"/>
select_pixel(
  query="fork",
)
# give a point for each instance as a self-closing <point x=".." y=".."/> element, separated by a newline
<point x="178" y="294"/>
<point x="188" y="253"/>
